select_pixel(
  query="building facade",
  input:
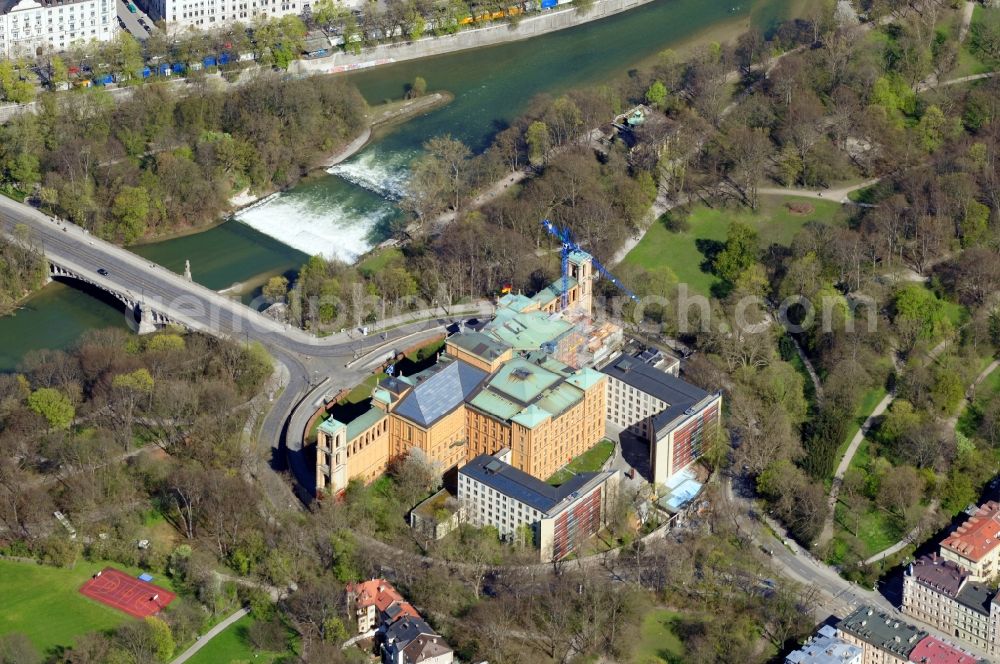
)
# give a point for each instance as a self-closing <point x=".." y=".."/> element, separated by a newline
<point x="673" y="415"/>
<point x="29" y="27"/>
<point x="182" y="15"/>
<point x="359" y="449"/>
<point x="494" y="493"/>
<point x="974" y="545"/>
<point x="942" y="594"/>
<point x="882" y="638"/>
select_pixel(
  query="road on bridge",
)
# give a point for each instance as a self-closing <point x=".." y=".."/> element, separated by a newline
<point x="316" y="366"/>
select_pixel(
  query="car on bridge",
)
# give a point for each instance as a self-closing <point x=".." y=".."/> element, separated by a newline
<point x="101" y="271"/>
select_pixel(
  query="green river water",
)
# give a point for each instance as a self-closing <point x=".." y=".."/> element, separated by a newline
<point x="341" y="214"/>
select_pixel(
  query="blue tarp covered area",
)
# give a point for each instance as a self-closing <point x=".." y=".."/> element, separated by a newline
<point x="682" y="489"/>
<point x="146" y="576"/>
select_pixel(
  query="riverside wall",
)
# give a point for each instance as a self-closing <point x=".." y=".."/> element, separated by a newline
<point x="498" y="33"/>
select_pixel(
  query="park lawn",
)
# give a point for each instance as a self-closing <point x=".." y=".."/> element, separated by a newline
<point x="869" y="400"/>
<point x="659" y="644"/>
<point x="44" y="602"/>
<point x="378" y="260"/>
<point x="808" y="389"/>
<point x="683" y="252"/>
<point x="232" y="645"/>
<point x="588" y="462"/>
<point x="968" y="421"/>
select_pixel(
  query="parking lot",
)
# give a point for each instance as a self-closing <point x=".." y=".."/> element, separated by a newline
<point x="139" y="24"/>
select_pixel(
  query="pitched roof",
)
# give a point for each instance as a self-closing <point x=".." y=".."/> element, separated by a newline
<point x="942" y="575"/>
<point x="935" y="651"/>
<point x="519" y="485"/>
<point x="441" y="392"/>
<point x="978" y="535"/>
<point x="402" y="632"/>
<point x="423" y="648"/>
<point x="882" y="631"/>
<point x="378" y="592"/>
<point x="481" y="345"/>
<point x="825" y="650"/>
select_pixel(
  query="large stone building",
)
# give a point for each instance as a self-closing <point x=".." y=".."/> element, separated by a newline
<point x="673" y="415"/>
<point x="28" y="27"/>
<point x="493" y="493"/>
<point x="181" y="15"/>
<point x="503" y="387"/>
<point x="944" y="595"/>
<point x="975" y="545"/>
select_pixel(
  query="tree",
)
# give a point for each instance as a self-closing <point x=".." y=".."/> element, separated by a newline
<point x="656" y="95"/>
<point x="537" y="138"/>
<point x="739" y="253"/>
<point x="130" y="210"/>
<point x="58" y="71"/>
<point x="161" y="637"/>
<point x="16" y="648"/>
<point x="54" y="406"/>
<point x="276" y="288"/>
<point x="900" y="490"/>
<point x="419" y="87"/>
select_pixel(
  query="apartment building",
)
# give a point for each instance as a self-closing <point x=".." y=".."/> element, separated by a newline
<point x="975" y="545"/>
<point x="673" y="415"/>
<point x="376" y="601"/>
<point x="494" y="493"/>
<point x="942" y="594"/>
<point x="30" y="27"/>
<point x="882" y="638"/>
<point x="935" y="651"/>
<point x="826" y="648"/>
<point x="181" y="15"/>
<point x="403" y="636"/>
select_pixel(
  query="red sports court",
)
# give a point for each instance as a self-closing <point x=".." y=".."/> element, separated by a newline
<point x="120" y="591"/>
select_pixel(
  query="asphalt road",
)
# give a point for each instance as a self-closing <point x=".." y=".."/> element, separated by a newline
<point x="342" y="359"/>
<point x="131" y="20"/>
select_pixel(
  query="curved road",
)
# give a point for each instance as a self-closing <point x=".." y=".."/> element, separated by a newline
<point x="315" y="365"/>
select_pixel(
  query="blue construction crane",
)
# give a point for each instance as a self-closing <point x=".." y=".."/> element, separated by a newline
<point x="568" y="245"/>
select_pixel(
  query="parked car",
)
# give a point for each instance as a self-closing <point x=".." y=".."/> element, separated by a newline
<point x="132" y="8"/>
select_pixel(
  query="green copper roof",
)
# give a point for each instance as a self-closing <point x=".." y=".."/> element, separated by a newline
<point x="585" y="378"/>
<point x="553" y="291"/>
<point x="494" y="404"/>
<point x="331" y="426"/>
<point x="531" y="417"/>
<point x="381" y="395"/>
<point x="481" y="345"/>
<point x="579" y="257"/>
<point x="516" y="302"/>
<point x="560" y="399"/>
<point x="527" y="331"/>
<point x="360" y="424"/>
<point x="522" y="380"/>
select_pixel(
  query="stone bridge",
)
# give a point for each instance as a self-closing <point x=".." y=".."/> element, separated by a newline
<point x="141" y="315"/>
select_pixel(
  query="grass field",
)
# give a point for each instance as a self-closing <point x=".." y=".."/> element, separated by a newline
<point x="969" y="420"/>
<point x="378" y="260"/>
<point x="869" y="400"/>
<point x="588" y="462"/>
<point x="659" y="643"/>
<point x="685" y="252"/>
<point x="232" y="645"/>
<point x="44" y="603"/>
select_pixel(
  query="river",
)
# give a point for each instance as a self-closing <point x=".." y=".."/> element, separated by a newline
<point x="343" y="213"/>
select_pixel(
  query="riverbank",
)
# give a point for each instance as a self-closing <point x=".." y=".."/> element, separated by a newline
<point x="497" y="33"/>
<point x="380" y="117"/>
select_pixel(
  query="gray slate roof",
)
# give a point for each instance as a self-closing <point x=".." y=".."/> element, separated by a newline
<point x="440" y="393"/>
<point x="517" y="484"/>
<point x="882" y="631"/>
<point x="680" y="394"/>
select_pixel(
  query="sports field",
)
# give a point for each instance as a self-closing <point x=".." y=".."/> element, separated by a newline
<point x="126" y="593"/>
<point x="45" y="604"/>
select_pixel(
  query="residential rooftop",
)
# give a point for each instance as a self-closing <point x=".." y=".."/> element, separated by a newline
<point x="941" y="575"/>
<point x="825" y="648"/>
<point x="514" y="483"/>
<point x="882" y="631"/>
<point x="678" y="394"/>
<point x="935" y="651"/>
<point x="977" y="536"/>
